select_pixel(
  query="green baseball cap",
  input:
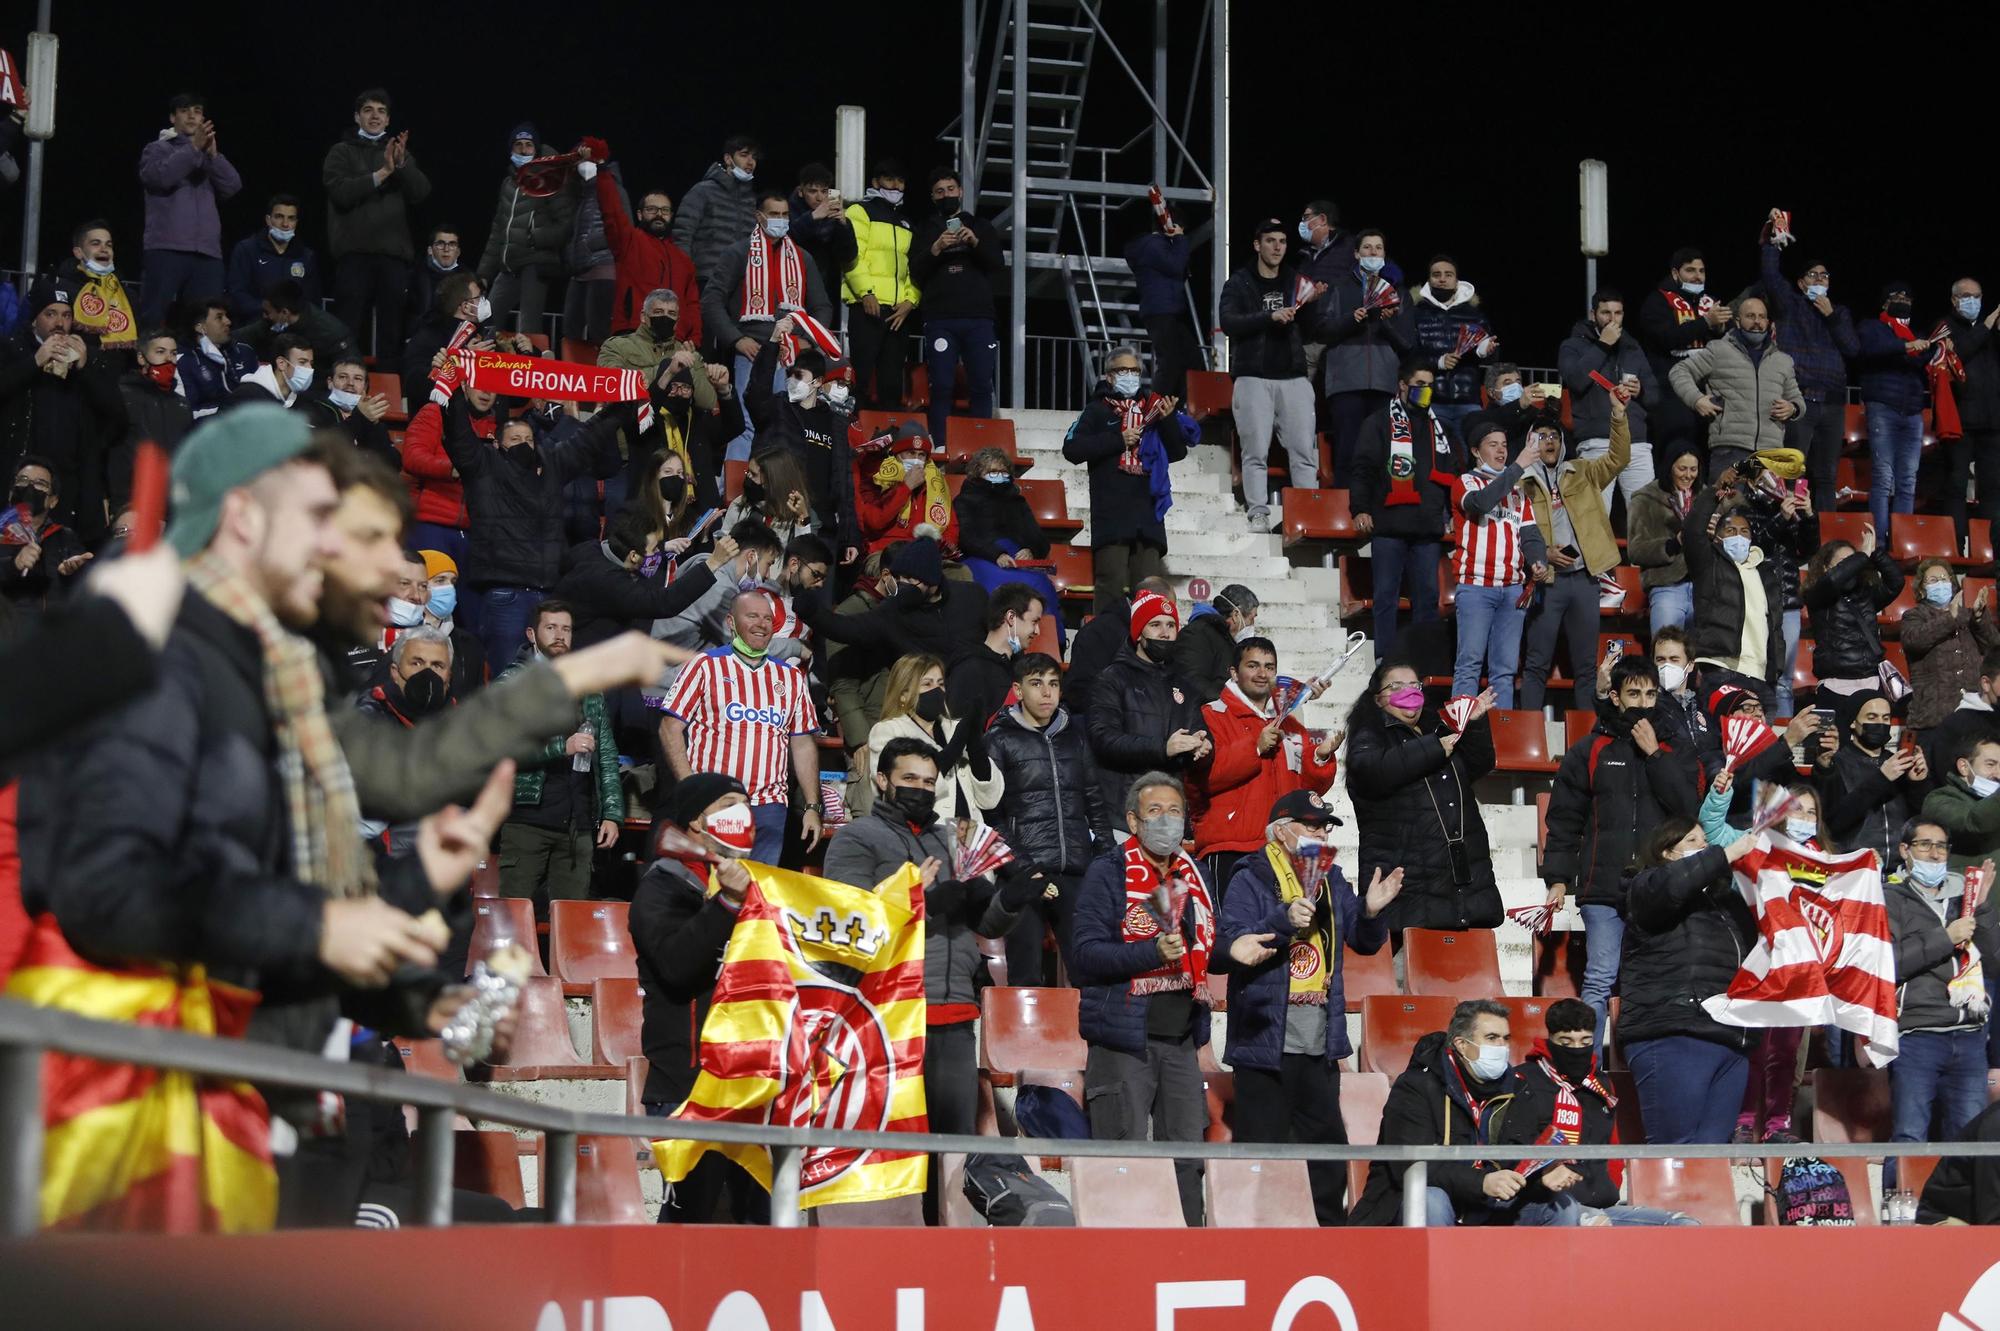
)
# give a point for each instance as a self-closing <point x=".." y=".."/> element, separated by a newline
<point x="229" y="450"/>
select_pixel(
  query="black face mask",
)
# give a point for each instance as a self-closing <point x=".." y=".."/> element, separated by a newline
<point x="753" y="492"/>
<point x="662" y="326"/>
<point x="1156" y="650"/>
<point x="673" y="488"/>
<point x="909" y="596"/>
<point x="1574" y="1064"/>
<point x="27" y="496"/>
<point x="930" y="704"/>
<point x="950" y="205"/>
<point x="521" y="455"/>
<point x="1898" y="309"/>
<point x="915" y="803"/>
<point x="1872" y="734"/>
<point x="425" y="691"/>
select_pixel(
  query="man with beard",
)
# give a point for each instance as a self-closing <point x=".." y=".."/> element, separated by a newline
<point x="645" y="255"/>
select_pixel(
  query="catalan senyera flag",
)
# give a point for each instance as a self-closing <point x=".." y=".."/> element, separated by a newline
<point x="133" y="1148"/>
<point x="817" y="1021"/>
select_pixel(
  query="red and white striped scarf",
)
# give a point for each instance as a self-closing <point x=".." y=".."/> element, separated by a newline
<point x="1565" y="1127"/>
<point x="1823" y="952"/>
<point x="447" y="376"/>
<point x="1185" y="902"/>
<point x="1134" y="413"/>
<point x="1684" y="311"/>
<point x="808" y="331"/>
<point x="759" y="300"/>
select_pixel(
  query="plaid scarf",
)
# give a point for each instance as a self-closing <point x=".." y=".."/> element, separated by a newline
<point x="325" y="816"/>
<point x="1150" y="903"/>
<point x="758" y="301"/>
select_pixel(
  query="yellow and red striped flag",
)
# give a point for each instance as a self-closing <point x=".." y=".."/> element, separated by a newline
<point x="817" y="1021"/>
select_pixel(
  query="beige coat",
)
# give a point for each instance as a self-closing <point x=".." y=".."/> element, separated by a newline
<point x="1582" y="484"/>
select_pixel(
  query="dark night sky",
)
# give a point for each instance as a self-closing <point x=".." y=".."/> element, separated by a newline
<point x="1465" y="140"/>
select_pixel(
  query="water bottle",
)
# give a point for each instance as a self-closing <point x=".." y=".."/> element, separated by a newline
<point x="580" y="762"/>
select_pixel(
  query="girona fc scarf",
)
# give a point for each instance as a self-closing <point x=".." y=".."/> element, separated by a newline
<point x="1684" y="311"/>
<point x="447" y="377"/>
<point x="1182" y="903"/>
<point x="1565" y="1127"/>
<point x="817" y="1021"/>
<point x="512" y="375"/>
<point x="1403" y="454"/>
<point x="1823" y="952"/>
<point x="808" y="331"/>
<point x="761" y="298"/>
<point x="1306" y="961"/>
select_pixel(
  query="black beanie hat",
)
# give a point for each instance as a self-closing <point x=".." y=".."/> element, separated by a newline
<point x="920" y="561"/>
<point x="693" y="794"/>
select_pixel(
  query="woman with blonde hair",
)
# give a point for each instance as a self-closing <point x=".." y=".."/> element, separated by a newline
<point x="1945" y="640"/>
<point x="913" y="707"/>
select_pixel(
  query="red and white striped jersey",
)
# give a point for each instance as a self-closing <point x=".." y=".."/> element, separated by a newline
<point x="1489" y="548"/>
<point x="741" y="719"/>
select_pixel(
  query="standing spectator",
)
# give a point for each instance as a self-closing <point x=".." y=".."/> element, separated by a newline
<point x="1870" y="790"/>
<point x="1820" y="337"/>
<point x="435" y="486"/>
<point x="524" y="250"/>
<point x="1963" y="804"/>
<point x="1271" y="396"/>
<point x="1977" y="398"/>
<point x="1892" y="362"/>
<point x="1656" y="514"/>
<point x="1405" y="466"/>
<point x="1205" y="653"/>
<point x="102" y="310"/>
<point x="286" y="310"/>
<point x="216" y="365"/>
<point x="1744" y="387"/>
<point x="916" y="706"/>
<point x="1581" y="549"/>
<point x="857" y="680"/>
<point x="38" y="555"/>
<point x="1256" y="758"/>
<point x="1159" y="260"/>
<point x="1679" y="317"/>
<point x="645" y="255"/>
<point x="879" y="292"/>
<point x="184" y="176"/>
<point x="1598" y="344"/>
<point x="1326" y="254"/>
<point x="60" y="402"/>
<point x="1682" y="718"/>
<point x="926" y="612"/>
<point x="1369" y="332"/>
<point x="799" y="418"/>
<point x="346" y="405"/>
<point x="691" y="416"/>
<point x="981" y="679"/>
<point x="1051" y="810"/>
<point x="1687" y="930"/>
<point x="1784" y="526"/>
<point x="1738" y="633"/>
<point x="461" y="298"/>
<point x="821" y="226"/>
<point x="441" y="259"/>
<point x="1944" y="641"/>
<point x="1499" y="547"/>
<point x="1413" y="800"/>
<point x="371" y="183"/>
<point x="1144" y="934"/>
<point x="1615" y="785"/>
<point x="593" y="268"/>
<point x="1445" y="308"/>
<point x="571" y="800"/>
<point x="762" y="278"/>
<point x="716" y="213"/>
<point x="1129" y="441"/>
<point x="154" y="410"/>
<point x="1143" y="716"/>
<point x="1846" y="589"/>
<point x="1101" y="639"/>
<point x="1287" y="1000"/>
<point x="257" y="264"/>
<point x="775" y="494"/>
<point x="736" y="711"/>
<point x="608" y="595"/>
<point x="953" y="259"/>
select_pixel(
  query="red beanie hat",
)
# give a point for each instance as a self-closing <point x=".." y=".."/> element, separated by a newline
<point x="1149" y="606"/>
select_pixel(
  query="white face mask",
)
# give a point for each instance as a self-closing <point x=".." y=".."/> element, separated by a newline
<point x="483" y="311"/>
<point x="799" y="388"/>
<point x="1247" y="631"/>
<point x="1372" y="263"/>
<point x="1736" y="547"/>
<point x="1983" y="786"/>
<point x="836" y="393"/>
<point x="405" y="614"/>
<point x="1491" y="1063"/>
<point x="745" y="176"/>
<point x="1672" y="676"/>
<point x="101" y="269"/>
<point x="343" y="399"/>
<point x="891" y="196"/>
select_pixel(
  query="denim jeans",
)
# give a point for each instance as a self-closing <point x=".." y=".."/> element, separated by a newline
<point x="1895" y="444"/>
<point x="1941" y="1073"/>
<point x="1489" y="641"/>
<point x="1672" y="604"/>
<point x="769" y="820"/>
<point x="1635" y="1216"/>
<point x="738" y="449"/>
<point x="1396" y="561"/>
<point x="1603" y="940"/>
<point x="946" y="343"/>
<point x="505" y="615"/>
<point x="1440" y="1213"/>
<point x="1689" y="1089"/>
<point x="1784" y="684"/>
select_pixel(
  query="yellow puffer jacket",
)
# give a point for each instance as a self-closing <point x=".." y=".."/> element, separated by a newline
<point x="882" y="261"/>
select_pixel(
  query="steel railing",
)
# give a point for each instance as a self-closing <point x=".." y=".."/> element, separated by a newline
<point x="27" y="1032"/>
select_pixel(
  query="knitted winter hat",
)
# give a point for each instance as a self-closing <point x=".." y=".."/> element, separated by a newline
<point x="1149" y="606"/>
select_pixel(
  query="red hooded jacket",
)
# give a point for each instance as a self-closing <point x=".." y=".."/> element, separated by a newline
<point x="1236" y="786"/>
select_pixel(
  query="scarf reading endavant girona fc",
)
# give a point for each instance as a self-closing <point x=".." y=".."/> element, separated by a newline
<point x="1186" y="893"/>
<point x="1403" y="455"/>
<point x="512" y="375"/>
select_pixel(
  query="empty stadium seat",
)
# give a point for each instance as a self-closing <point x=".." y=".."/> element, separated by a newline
<point x="636" y="1069"/>
<point x="1978" y="543"/>
<point x="390" y="386"/>
<point x="875" y="424"/>
<point x="1576" y="725"/>
<point x="1390" y="1026"/>
<point x="1218" y="1089"/>
<point x="1525" y="1022"/>
<point x="1072" y="573"/>
<point x="497" y="921"/>
<point x="1209" y="393"/>
<point x="1631" y="1124"/>
<point x="590" y="940"/>
<point x="1362" y="1095"/>
<point x="1890" y="616"/>
<point x="607" y="1181"/>
<point x="488" y="1162"/>
<point x="1705" y="1189"/>
<point x="1021" y="1028"/>
<point x="486" y="878"/>
<point x="616" y="1009"/>
<point x="1459" y="963"/>
<point x="1844" y="527"/>
<point x="1258" y="1194"/>
<point x="732" y="480"/>
<point x="576" y="350"/>
<point x="1109" y="1193"/>
<point x="968" y="434"/>
<point x="1050" y="504"/>
<point x="1317" y="515"/>
<point x="1914" y="536"/>
<point x="1852" y="1168"/>
<point x="1898" y="656"/>
<point x="1913" y="1172"/>
<point x="1520" y="742"/>
<point x="1365" y="973"/>
<point x="1558" y="964"/>
<point x="1853" y="476"/>
<point x="1850" y="1104"/>
<point x="542" y="1047"/>
<point x="425" y="1058"/>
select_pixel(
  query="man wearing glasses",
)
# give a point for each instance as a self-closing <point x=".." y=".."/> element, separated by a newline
<point x="1819" y="336"/>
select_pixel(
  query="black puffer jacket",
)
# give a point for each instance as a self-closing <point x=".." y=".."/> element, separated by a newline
<point x="1416" y="810"/>
<point x="989" y="514"/>
<point x="1787" y="542"/>
<point x="1430" y="1106"/>
<point x="609" y="598"/>
<point x="1847" y="642"/>
<point x="679" y="932"/>
<point x="516" y="535"/>
<point x="945" y="628"/>
<point x="1054" y="807"/>
<point x="1134" y="706"/>
<point x="1861" y="808"/>
<point x="1205" y="653"/>
<point x="1686" y="932"/>
<point x="151" y="412"/>
<point x="1608" y="797"/>
<point x="1717" y="630"/>
<point x="529" y="231"/>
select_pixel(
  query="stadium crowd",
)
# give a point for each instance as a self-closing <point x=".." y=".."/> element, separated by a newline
<point x="403" y="625"/>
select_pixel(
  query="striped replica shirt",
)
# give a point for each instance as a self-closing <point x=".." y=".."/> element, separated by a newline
<point x="1489" y="545"/>
<point x="741" y="719"/>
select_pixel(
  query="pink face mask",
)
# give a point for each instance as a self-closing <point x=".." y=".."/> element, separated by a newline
<point x="1409" y="698"/>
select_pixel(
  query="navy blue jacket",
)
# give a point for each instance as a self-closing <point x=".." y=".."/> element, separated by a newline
<point x="208" y="384"/>
<point x="255" y="266"/>
<point x="1161" y="265"/>
<point x="1889" y="374"/>
<point x="1257" y="996"/>
<point x="1103" y="963"/>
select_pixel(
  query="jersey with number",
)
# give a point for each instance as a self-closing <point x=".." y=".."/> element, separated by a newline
<point x="1489" y="546"/>
<point x="741" y="719"/>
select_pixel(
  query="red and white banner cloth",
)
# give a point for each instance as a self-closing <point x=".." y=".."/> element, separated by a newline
<point x="1823" y="952"/>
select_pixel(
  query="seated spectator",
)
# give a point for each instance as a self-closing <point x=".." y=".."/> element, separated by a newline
<point x="417" y="682"/>
<point x="1686" y="931"/>
<point x="345" y="404"/>
<point x="1205" y="653"/>
<point x="1499" y="547"/>
<point x="1052" y="809"/>
<point x="1739" y="629"/>
<point x="607" y="593"/>
<point x="440" y="260"/>
<point x="216" y="366"/>
<point x="704" y="624"/>
<point x="997" y="531"/>
<point x="1256" y="758"/>
<point x="1143" y="717"/>
<point x="1941" y="1010"/>
<point x="38" y="555"/>
<point x="900" y="492"/>
<point x="435" y="486"/>
<point x="798" y="417"/>
<point x="1871" y="790"/>
<point x="155" y="411"/>
<point x="1963" y="804"/>
<point x="915" y="707"/>
<point x="1282" y="945"/>
<point x="670" y="503"/>
<point x="1581" y="549"/>
<point x="287" y="310"/>
<point x="1656" y="514"/>
<point x="1944" y="641"/>
<point x="775" y="494"/>
<point x="927" y="613"/>
<point x="102" y="310"/>
<point x="755" y="281"/>
<point x="1965" y="1190"/>
<point x="61" y="403"/>
<point x="1405" y="465"/>
<point x="1369" y="335"/>
<point x="284" y="380"/>
<point x="1599" y="344"/>
<point x="1413" y="800"/>
<point x="468" y="657"/>
<point x="690" y="414"/>
<point x="981" y="681"/>
<point x="1623" y="764"/>
<point x="1129" y="442"/>
<point x="1143" y="938"/>
<point x="524" y="250"/>
<point x="1442" y="309"/>
<point x="261" y="263"/>
<point x="1845" y="589"/>
<point x="1742" y="385"/>
<point x="1265" y="310"/>
<point x="1891" y="366"/>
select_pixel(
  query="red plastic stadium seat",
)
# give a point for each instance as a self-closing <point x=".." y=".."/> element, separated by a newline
<point x="1914" y="1171"/>
<point x="1390" y="1026"/>
<point x="732" y="480"/>
<point x="1457" y="963"/>
<point x="1577" y="725"/>
<point x="607" y="1181"/>
<point x="636" y="1069"/>
<point x="1526" y="1023"/>
<point x="1802" y="675"/>
<point x="390" y="386"/>
<point x="1914" y="536"/>
<point x="1363" y="974"/>
<point x="616" y="1007"/>
<point x="1219" y="1090"/>
<point x="542" y="1047"/>
<point x="1520" y="742"/>
<point x="1890" y="616"/>
<point x="1856" y="418"/>
<point x="994" y="951"/>
<point x="1630" y="644"/>
<point x="1362" y="1095"/>
<point x="425" y="1058"/>
<point x="498" y="921"/>
<point x="1074" y="575"/>
<point x="1541" y="826"/>
<point x="1050" y="505"/>
<point x="1259" y="1194"/>
<point x="968" y="434"/>
<point x="1705" y="1189"/>
<point x="1850" y="1104"/>
<point x="1631" y="1127"/>
<point x="1047" y="640"/>
<point x="875" y="424"/>
<point x="1023" y="1029"/>
<point x="1979" y="542"/>
<point x="578" y="351"/>
<point x="486" y="878"/>
<point x="488" y="1162"/>
<point x="1108" y="1193"/>
<point x="892" y="1212"/>
<point x="1558" y="965"/>
<point x="1852" y="1168"/>
<point x="1853" y="476"/>
<point x="1844" y="527"/>
<point x="1209" y="393"/>
<point x="589" y="940"/>
<point x="1895" y="655"/>
<point x="1318" y="515"/>
<point x="1634" y="604"/>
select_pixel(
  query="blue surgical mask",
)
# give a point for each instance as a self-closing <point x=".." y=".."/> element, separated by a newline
<point x="281" y="235"/>
<point x="1125" y="383"/>
<point x="1801" y="830"/>
<point x="343" y="399"/>
<point x="776" y="227"/>
<point x="301" y="378"/>
<point x="1968" y="307"/>
<point x="998" y="477"/>
<point x="1736" y="547"/>
<point x="101" y="269"/>
<point x="1938" y="593"/>
<point x="1492" y="1062"/>
<point x="372" y="138"/>
<point x="1928" y="873"/>
<point x="745" y="176"/>
<point x="519" y="159"/>
<point x="1754" y="338"/>
<point x="1815" y="290"/>
<point x="1510" y="394"/>
<point x="1371" y="263"/>
<point x="1306" y="232"/>
<point x="1694" y="288"/>
<point x="1983" y="786"/>
<point x="443" y="600"/>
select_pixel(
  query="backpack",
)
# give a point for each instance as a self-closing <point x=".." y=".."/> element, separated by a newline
<point x="1047" y="1111"/>
<point x="1009" y="1194"/>
<point x="1812" y="1192"/>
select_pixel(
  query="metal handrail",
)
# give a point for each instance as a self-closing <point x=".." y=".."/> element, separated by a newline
<point x="26" y="1032"/>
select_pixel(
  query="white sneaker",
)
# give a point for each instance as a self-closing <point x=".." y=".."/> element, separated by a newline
<point x="1260" y="520"/>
